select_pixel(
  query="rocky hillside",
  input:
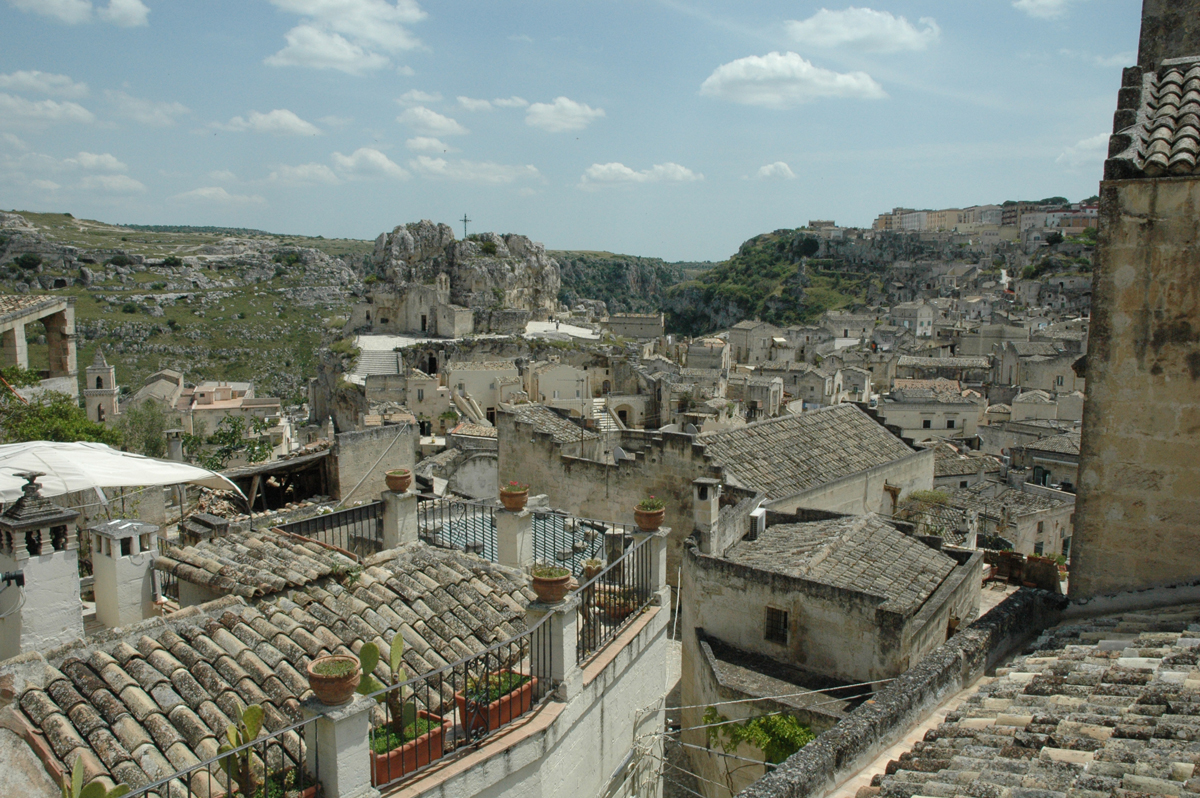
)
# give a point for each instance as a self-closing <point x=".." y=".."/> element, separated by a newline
<point x="625" y="283"/>
<point x="486" y="269"/>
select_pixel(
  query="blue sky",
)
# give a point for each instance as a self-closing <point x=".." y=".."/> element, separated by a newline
<point x="674" y="129"/>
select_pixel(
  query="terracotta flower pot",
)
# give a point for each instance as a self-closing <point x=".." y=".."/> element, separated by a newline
<point x="590" y="572"/>
<point x="478" y="719"/>
<point x="398" y="480"/>
<point x="334" y="690"/>
<point x="649" y="520"/>
<point x="412" y="755"/>
<point x="551" y="590"/>
<point x="514" y="500"/>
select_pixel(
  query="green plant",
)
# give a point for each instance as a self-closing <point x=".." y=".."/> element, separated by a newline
<point x="514" y="487"/>
<point x="546" y="571"/>
<point x="777" y="736"/>
<point x="493" y="686"/>
<point x="29" y="261"/>
<point x="172" y="260"/>
<point x="403" y="713"/>
<point x="129" y="307"/>
<point x="121" y="260"/>
<point x="239" y="765"/>
<point x="73" y="786"/>
<point x="651" y="504"/>
<point x="336" y="668"/>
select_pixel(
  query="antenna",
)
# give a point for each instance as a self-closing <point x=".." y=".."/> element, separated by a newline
<point x="464" y="220"/>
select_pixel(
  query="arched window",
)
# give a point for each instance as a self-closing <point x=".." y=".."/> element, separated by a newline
<point x="99" y="383"/>
<point x="100" y="413"/>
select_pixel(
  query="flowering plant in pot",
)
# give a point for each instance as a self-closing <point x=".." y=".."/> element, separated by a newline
<point x="592" y="568"/>
<point x="411" y="738"/>
<point x="550" y="582"/>
<point x="649" y="513"/>
<point x="398" y="479"/>
<point x="514" y="495"/>
<point x="490" y="701"/>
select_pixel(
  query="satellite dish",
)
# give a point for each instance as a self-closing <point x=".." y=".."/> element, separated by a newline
<point x="690" y="429"/>
<point x="619" y="454"/>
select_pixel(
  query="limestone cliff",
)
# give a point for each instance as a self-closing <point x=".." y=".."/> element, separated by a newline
<point x="486" y="270"/>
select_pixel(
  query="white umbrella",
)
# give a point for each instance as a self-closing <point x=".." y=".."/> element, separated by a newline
<point x="70" y="467"/>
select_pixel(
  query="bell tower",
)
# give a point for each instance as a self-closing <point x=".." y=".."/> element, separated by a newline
<point x="100" y="390"/>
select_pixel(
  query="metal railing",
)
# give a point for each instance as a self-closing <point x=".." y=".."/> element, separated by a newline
<point x="358" y="530"/>
<point x="168" y="583"/>
<point x="467" y="526"/>
<point x="614" y="597"/>
<point x="567" y="541"/>
<point x="275" y="761"/>
<point x="419" y="721"/>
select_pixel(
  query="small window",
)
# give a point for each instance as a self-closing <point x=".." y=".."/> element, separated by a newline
<point x="1059" y="380"/>
<point x="420" y="394"/>
<point x="963" y="484"/>
<point x="126" y="547"/>
<point x="926" y="423"/>
<point x="777" y="625"/>
<point x="949" y="423"/>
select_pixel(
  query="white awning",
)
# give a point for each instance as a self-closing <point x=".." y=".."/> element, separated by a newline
<point x="71" y="467"/>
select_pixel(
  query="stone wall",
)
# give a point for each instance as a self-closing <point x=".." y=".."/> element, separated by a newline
<point x="360" y="460"/>
<point x="864" y="492"/>
<point x="1139" y="477"/>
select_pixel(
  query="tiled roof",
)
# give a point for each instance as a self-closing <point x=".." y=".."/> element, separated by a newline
<point x="19" y="304"/>
<point x="1157" y="124"/>
<point x="255" y="564"/>
<point x="945" y="362"/>
<point x="992" y="500"/>
<point x="481" y="365"/>
<point x="861" y="553"/>
<point x="1035" y="397"/>
<point x="948" y="463"/>
<point x="160" y="696"/>
<point x="784" y="456"/>
<point x="546" y="420"/>
<point x="474" y="430"/>
<point x="1032" y="348"/>
<point x="1101" y="707"/>
<point x="1067" y="443"/>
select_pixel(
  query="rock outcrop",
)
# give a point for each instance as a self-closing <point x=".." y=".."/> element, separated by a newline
<point x="486" y="270"/>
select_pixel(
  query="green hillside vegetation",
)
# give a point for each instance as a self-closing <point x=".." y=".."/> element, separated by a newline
<point x="772" y="277"/>
<point x="626" y="283"/>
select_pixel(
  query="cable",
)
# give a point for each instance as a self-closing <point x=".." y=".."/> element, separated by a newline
<point x="403" y="429"/>
<point x="20" y="602"/>
<point x="741" y="720"/>
<point x="822" y="691"/>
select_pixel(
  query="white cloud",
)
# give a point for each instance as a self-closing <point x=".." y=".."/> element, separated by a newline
<point x="304" y="173"/>
<point x="1043" y="9"/>
<point x="368" y="163"/>
<point x="353" y="36"/>
<point x="336" y="121"/>
<point x="785" y="80"/>
<point x="473" y="171"/>
<point x="521" y="37"/>
<point x="474" y="105"/>
<point x="13" y="141"/>
<point x="1089" y="152"/>
<point x="431" y="123"/>
<point x="126" y="13"/>
<point x="418" y="97"/>
<point x="406" y="71"/>
<point x="147" y="112"/>
<point x="116" y="184"/>
<point x="308" y="46"/>
<point x="280" y="121"/>
<point x="863" y="29"/>
<point x="45" y="185"/>
<point x="220" y="195"/>
<point x="428" y="144"/>
<point x="90" y="160"/>
<point x="224" y="175"/>
<point x="561" y="115"/>
<point x="599" y="174"/>
<point x="36" y="82"/>
<point x="18" y="110"/>
<point x="777" y="169"/>
<point x="510" y="102"/>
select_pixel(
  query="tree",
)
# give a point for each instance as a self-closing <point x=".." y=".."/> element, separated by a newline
<point x="49" y="416"/>
<point x="144" y="429"/>
<point x="234" y="436"/>
<point x="1054" y="238"/>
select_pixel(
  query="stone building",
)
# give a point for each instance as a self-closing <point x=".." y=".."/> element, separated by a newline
<point x="932" y="409"/>
<point x="639" y="326"/>
<point x="100" y="392"/>
<point x="56" y="315"/>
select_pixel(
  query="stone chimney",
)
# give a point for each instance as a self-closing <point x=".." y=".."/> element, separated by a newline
<point x="175" y="445"/>
<point x="36" y="538"/>
<point x="706" y="496"/>
<point x="123" y="555"/>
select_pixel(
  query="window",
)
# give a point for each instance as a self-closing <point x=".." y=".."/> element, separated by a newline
<point x="420" y="394"/>
<point x="949" y="423"/>
<point x="777" y="625"/>
<point x="926" y="423"/>
<point x="1059" y="380"/>
<point x="1041" y="528"/>
<point x="963" y="484"/>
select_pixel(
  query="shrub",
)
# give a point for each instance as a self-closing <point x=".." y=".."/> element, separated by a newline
<point x="29" y="261"/>
<point x="488" y="247"/>
<point x="129" y="307"/>
<point x="121" y="259"/>
<point x="172" y="260"/>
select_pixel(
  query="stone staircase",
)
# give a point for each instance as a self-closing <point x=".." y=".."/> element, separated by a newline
<point x="604" y="420"/>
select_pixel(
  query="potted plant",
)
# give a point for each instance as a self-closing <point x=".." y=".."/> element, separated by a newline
<point x="514" y="495"/>
<point x="489" y="702"/>
<point x="413" y="737"/>
<point x="550" y="582"/>
<point x="617" y="604"/>
<point x="334" y="678"/>
<point x="649" y="513"/>
<point x="398" y="479"/>
<point x="592" y="568"/>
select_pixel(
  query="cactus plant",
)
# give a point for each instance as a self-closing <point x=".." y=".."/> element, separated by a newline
<point x="238" y="765"/>
<point x="73" y="786"/>
<point x="403" y="713"/>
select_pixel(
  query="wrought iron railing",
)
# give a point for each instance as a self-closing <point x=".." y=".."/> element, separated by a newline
<point x="568" y="541"/>
<point x="277" y="763"/>
<point x="614" y="597"/>
<point x="421" y="720"/>
<point x="168" y="583"/>
<point x="467" y="526"/>
<point x="358" y="530"/>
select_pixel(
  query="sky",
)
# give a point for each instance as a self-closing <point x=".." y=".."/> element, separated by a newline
<point x="662" y="128"/>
